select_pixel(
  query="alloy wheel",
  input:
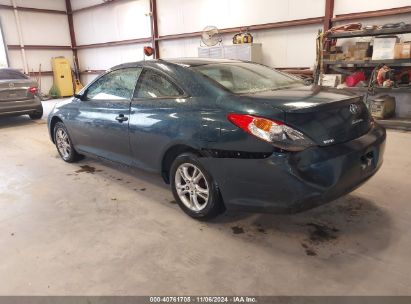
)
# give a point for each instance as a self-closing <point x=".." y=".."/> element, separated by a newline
<point x="63" y="143"/>
<point x="192" y="187"/>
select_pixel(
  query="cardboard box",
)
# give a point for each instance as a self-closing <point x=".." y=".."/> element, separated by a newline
<point x="362" y="45"/>
<point x="331" y="80"/>
<point x="339" y="56"/>
<point x="402" y="50"/>
<point x="336" y="49"/>
<point x="360" y="54"/>
<point x="350" y="52"/>
<point x="384" y="48"/>
<point x="358" y="51"/>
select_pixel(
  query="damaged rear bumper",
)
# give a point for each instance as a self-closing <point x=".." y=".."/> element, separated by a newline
<point x="293" y="182"/>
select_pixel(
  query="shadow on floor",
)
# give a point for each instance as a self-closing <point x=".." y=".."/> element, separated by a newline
<point x="24" y="120"/>
<point x="349" y="226"/>
<point x="18" y="121"/>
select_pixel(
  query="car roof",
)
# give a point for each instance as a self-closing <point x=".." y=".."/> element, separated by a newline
<point x="10" y="69"/>
<point x="184" y="62"/>
<point x="190" y="62"/>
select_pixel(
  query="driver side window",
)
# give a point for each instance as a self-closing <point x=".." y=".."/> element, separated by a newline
<point x="116" y="85"/>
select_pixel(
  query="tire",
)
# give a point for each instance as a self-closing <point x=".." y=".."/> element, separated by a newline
<point x="37" y="115"/>
<point x="194" y="189"/>
<point x="64" y="144"/>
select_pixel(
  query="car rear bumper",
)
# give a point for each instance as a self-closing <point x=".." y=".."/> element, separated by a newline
<point x="293" y="182"/>
<point x="20" y="107"/>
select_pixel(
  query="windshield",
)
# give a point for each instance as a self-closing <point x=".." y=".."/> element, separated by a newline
<point x="242" y="77"/>
<point x="11" y="74"/>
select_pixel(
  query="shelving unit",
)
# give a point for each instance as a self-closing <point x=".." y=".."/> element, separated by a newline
<point x="368" y="63"/>
<point x="370" y="33"/>
<point x="382" y="90"/>
<point x="395" y="123"/>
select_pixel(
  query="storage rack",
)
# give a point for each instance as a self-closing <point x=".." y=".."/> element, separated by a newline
<point x="397" y="123"/>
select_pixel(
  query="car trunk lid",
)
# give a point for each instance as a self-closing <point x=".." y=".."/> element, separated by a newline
<point x="14" y="90"/>
<point x="326" y="116"/>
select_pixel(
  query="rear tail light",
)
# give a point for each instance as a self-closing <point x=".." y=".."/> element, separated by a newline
<point x="274" y="132"/>
<point x="32" y="90"/>
<point x="372" y="121"/>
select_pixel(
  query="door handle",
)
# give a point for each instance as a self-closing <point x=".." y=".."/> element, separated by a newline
<point x="121" y="118"/>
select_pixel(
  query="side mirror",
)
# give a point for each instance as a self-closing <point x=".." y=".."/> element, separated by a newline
<point x="78" y="96"/>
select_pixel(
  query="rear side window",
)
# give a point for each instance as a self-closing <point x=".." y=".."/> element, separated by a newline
<point x="116" y="85"/>
<point x="11" y="74"/>
<point x="155" y="85"/>
<point x="244" y="77"/>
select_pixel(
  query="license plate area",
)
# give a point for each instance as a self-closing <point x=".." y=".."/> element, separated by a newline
<point x="367" y="161"/>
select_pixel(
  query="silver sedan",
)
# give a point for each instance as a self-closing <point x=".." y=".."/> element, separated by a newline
<point x="19" y="95"/>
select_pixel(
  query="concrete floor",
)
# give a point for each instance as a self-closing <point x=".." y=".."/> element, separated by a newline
<point x="116" y="231"/>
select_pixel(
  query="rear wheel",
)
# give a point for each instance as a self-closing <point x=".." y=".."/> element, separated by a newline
<point x="64" y="145"/>
<point x="194" y="189"/>
<point x="37" y="115"/>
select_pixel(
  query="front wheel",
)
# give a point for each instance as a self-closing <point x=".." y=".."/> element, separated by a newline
<point x="194" y="188"/>
<point x="64" y="145"/>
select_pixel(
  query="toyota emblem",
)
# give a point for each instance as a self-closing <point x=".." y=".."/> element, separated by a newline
<point x="11" y="85"/>
<point x="355" y="109"/>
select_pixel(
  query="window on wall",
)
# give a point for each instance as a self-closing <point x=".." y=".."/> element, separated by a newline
<point x="3" y="54"/>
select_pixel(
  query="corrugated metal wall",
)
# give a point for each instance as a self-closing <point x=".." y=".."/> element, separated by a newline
<point x="38" y="28"/>
<point x="284" y="47"/>
<point x="129" y="19"/>
<point x="123" y="20"/>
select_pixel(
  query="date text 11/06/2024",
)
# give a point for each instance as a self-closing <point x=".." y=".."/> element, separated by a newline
<point x="203" y="299"/>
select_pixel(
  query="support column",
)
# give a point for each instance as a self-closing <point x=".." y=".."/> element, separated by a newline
<point x="329" y="14"/>
<point x="154" y="28"/>
<point x="72" y="32"/>
<point x="20" y="34"/>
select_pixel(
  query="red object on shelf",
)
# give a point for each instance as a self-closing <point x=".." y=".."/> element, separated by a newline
<point x="352" y="80"/>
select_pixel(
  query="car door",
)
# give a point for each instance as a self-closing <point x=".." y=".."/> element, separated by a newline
<point x="101" y="125"/>
<point x="154" y="112"/>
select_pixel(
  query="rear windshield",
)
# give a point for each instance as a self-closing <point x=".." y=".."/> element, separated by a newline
<point x="11" y="74"/>
<point x="243" y="78"/>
